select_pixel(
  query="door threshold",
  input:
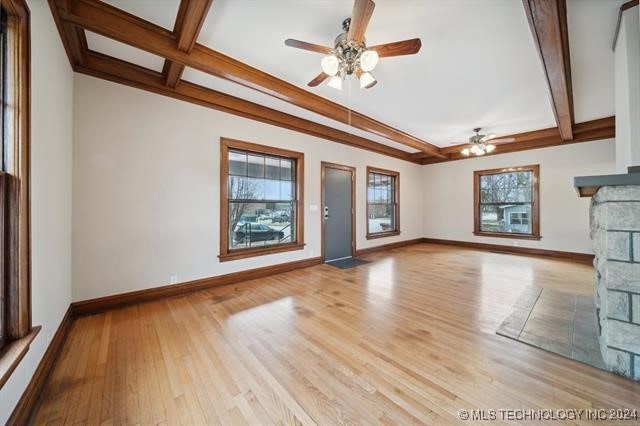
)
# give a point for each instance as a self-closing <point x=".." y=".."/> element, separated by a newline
<point x="340" y="258"/>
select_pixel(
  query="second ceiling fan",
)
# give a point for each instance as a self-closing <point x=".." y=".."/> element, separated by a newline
<point x="350" y="54"/>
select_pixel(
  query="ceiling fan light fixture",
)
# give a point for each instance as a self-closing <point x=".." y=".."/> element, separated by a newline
<point x="367" y="80"/>
<point x="368" y="60"/>
<point x="335" y="82"/>
<point x="465" y="152"/>
<point x="330" y="65"/>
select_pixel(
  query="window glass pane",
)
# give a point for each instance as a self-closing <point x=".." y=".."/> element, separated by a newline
<point x="261" y="200"/>
<point x="237" y="163"/>
<point x="260" y="224"/>
<point x="515" y="187"/>
<point x="286" y="169"/>
<point x="381" y="208"/>
<point x="381" y="217"/>
<point x="506" y="218"/>
<point x="272" y="168"/>
<point x="256" y="165"/>
<point x="244" y="188"/>
<point x="272" y="190"/>
<point x="286" y="190"/>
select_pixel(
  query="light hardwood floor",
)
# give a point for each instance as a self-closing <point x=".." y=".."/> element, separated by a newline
<point x="406" y="339"/>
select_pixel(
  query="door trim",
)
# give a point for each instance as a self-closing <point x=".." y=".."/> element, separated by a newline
<point x="326" y="165"/>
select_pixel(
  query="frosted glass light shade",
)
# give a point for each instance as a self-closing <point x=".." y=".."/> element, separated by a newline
<point x="335" y="82"/>
<point x="330" y="65"/>
<point x="368" y="60"/>
<point x="366" y="80"/>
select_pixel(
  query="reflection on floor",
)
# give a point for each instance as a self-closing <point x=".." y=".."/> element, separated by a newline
<point x="559" y="322"/>
<point x="406" y="339"/>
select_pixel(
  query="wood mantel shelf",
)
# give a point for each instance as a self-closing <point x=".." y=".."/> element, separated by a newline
<point x="587" y="186"/>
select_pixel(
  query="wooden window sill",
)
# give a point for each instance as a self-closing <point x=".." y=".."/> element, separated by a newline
<point x="13" y="352"/>
<point x="382" y="235"/>
<point x="508" y="235"/>
<point x="245" y="253"/>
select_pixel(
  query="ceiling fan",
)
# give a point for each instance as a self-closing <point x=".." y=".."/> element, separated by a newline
<point x="479" y="144"/>
<point x="350" y="54"/>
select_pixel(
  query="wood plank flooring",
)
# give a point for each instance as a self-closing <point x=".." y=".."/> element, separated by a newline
<point x="406" y="339"/>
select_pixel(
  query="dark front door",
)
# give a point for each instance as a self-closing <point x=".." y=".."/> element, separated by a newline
<point x="337" y="212"/>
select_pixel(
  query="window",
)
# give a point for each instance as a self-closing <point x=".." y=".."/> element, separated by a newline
<point x="507" y="202"/>
<point x="261" y="203"/>
<point x="16" y="332"/>
<point x="383" y="211"/>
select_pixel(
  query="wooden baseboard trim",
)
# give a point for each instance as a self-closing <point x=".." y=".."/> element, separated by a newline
<point x="384" y="247"/>
<point x="101" y="304"/>
<point x="524" y="251"/>
<point x="30" y="398"/>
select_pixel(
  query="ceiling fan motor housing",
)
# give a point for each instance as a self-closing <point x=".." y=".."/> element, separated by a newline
<point x="348" y="51"/>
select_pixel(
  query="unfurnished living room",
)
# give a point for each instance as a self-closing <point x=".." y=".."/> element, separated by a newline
<point x="228" y="212"/>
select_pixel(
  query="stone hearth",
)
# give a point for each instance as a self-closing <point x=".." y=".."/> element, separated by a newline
<point x="615" y="231"/>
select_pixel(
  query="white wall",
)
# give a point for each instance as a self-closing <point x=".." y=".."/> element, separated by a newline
<point x="51" y="126"/>
<point x="564" y="218"/>
<point x="627" y="92"/>
<point x="146" y="189"/>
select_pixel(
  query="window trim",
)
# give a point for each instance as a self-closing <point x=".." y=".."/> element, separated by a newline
<point x="17" y="255"/>
<point x="396" y="176"/>
<point x="535" y="203"/>
<point x="227" y="144"/>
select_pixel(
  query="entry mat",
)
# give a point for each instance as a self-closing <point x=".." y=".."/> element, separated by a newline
<point x="347" y="263"/>
<point x="556" y="321"/>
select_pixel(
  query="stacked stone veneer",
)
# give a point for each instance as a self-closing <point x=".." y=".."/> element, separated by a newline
<point x="615" y="231"/>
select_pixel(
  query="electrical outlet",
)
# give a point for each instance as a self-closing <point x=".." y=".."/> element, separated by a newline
<point x="173" y="279"/>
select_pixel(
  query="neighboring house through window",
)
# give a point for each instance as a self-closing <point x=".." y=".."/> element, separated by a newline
<point x="261" y="200"/>
<point x="506" y="202"/>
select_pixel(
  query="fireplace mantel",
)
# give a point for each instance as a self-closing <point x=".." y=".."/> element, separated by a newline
<point x="587" y="186"/>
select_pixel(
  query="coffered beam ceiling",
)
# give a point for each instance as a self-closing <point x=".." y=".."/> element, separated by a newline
<point x="114" y="23"/>
<point x="179" y="48"/>
<point x="548" y="23"/>
<point x="191" y="16"/>
<point x="603" y="128"/>
<point x="102" y="66"/>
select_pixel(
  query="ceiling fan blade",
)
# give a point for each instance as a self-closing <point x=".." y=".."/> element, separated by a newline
<point x="398" y="48"/>
<point x="487" y="138"/>
<point x="319" y="79"/>
<point x="307" y="46"/>
<point x="362" y="11"/>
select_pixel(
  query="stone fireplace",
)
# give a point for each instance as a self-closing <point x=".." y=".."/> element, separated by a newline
<point x="615" y="232"/>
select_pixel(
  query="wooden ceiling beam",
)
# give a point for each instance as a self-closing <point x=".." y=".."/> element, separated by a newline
<point x="603" y="128"/>
<point x="548" y="23"/>
<point x="114" y="23"/>
<point x="189" y="21"/>
<point x="73" y="37"/>
<point x="118" y="71"/>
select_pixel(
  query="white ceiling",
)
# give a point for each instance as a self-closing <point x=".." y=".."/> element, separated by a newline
<point x="478" y="65"/>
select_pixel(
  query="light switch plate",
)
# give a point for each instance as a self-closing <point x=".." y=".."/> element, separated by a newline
<point x="313" y="207"/>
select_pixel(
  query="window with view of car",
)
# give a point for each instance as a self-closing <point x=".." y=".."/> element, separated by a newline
<point x="507" y="202"/>
<point x="261" y="200"/>
<point x="383" y="218"/>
